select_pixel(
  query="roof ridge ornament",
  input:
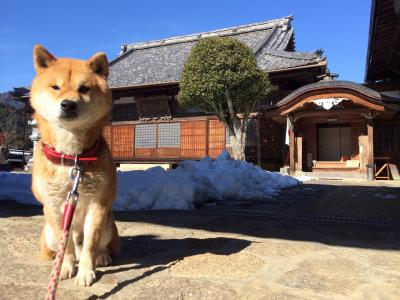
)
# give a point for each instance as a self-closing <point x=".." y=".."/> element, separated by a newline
<point x="319" y="52"/>
<point x="123" y="49"/>
<point x="327" y="76"/>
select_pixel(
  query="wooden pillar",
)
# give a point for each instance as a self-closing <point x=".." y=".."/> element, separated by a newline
<point x="363" y="157"/>
<point x="207" y="137"/>
<point x="134" y="141"/>
<point x="258" y="140"/>
<point x="299" y="154"/>
<point x="292" y="156"/>
<point x="370" y="131"/>
<point x="156" y="150"/>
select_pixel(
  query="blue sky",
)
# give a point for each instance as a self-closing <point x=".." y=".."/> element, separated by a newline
<point x="80" y="28"/>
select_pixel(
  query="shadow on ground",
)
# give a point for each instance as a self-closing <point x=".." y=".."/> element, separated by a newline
<point x="147" y="251"/>
<point x="13" y="209"/>
<point x="269" y="219"/>
<point x="336" y="234"/>
<point x="264" y="220"/>
<point x="370" y="201"/>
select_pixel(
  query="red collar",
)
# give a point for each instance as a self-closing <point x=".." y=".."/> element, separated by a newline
<point x="86" y="157"/>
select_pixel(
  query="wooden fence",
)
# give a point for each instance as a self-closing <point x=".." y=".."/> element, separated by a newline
<point x="192" y="139"/>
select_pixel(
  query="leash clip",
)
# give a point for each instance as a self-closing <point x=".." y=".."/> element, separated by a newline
<point x="75" y="174"/>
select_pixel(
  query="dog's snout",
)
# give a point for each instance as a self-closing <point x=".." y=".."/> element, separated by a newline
<point x="69" y="109"/>
<point x="68" y="105"/>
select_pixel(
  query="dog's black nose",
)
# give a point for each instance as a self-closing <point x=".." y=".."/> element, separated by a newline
<point x="68" y="106"/>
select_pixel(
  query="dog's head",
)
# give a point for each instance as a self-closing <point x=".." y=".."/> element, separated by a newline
<point x="69" y="92"/>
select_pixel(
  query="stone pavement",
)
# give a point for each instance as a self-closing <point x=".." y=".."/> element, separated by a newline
<point x="321" y="240"/>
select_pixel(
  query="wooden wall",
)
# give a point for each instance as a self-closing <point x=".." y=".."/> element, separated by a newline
<point x="193" y="139"/>
<point x="387" y="140"/>
<point x="198" y="138"/>
<point x="122" y="139"/>
<point x="273" y="151"/>
<point x="107" y="135"/>
<point x="216" y="138"/>
<point x="142" y="153"/>
<point x="357" y="129"/>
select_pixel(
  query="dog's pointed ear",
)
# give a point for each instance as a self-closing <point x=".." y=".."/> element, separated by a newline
<point x="99" y="64"/>
<point x="42" y="58"/>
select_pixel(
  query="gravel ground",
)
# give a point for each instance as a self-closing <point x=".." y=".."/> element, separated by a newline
<point x="321" y="240"/>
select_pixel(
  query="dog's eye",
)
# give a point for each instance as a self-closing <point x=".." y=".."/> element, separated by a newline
<point x="83" y="89"/>
<point x="55" y="87"/>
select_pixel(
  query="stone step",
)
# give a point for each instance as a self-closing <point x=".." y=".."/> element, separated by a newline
<point x="335" y="174"/>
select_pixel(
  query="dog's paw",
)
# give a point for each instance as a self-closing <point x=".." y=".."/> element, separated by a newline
<point x="68" y="271"/>
<point x="85" y="277"/>
<point x="103" y="259"/>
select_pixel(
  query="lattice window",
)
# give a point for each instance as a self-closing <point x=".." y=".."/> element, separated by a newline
<point x="169" y="135"/>
<point x="145" y="136"/>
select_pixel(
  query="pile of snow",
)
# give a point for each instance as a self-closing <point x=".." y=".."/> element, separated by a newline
<point x="192" y="183"/>
<point x="17" y="187"/>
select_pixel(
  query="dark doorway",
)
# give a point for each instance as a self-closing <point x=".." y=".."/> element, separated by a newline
<point x="334" y="142"/>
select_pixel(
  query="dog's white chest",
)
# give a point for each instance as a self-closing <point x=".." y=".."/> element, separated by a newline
<point x="55" y="190"/>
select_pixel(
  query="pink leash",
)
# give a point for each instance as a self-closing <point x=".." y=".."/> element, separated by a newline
<point x="69" y="208"/>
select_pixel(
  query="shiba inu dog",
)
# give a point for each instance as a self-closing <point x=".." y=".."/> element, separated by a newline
<point x="71" y="102"/>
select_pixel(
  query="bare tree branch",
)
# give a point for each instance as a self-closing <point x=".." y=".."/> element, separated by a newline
<point x="11" y="126"/>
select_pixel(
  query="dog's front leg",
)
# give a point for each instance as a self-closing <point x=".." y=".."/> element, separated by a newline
<point x="91" y="235"/>
<point x="68" y="268"/>
<point x="51" y="235"/>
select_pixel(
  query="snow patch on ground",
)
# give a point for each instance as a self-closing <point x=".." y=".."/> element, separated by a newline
<point x="303" y="178"/>
<point x="193" y="183"/>
<point x="17" y="187"/>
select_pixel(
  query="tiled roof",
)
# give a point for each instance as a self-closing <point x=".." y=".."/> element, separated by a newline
<point x="332" y="84"/>
<point x="162" y="61"/>
<point x="273" y="60"/>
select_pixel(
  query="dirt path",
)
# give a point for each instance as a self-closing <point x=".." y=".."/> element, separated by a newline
<point x="284" y="248"/>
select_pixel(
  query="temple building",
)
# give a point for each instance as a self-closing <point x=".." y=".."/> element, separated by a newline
<point x="149" y="126"/>
<point x="311" y="122"/>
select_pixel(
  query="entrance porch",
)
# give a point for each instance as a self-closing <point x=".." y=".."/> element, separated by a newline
<point x="334" y="141"/>
<point x="332" y="125"/>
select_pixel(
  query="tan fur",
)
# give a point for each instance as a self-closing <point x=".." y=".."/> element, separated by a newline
<point x="93" y="220"/>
